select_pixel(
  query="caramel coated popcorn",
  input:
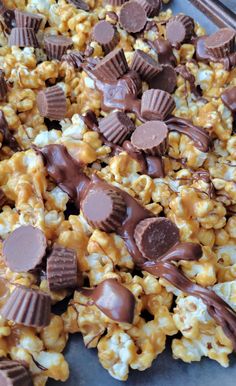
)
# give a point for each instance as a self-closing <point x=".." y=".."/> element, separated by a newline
<point x="144" y="224"/>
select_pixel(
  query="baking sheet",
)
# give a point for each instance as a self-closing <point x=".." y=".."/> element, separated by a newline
<point x="85" y="369"/>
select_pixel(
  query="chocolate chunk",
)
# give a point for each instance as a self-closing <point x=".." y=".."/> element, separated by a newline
<point x="116" y="127"/>
<point x="23" y="37"/>
<point x="151" y="7"/>
<point x="28" y="307"/>
<point x="151" y="137"/>
<point x="112" y="66"/>
<point x="221" y="43"/>
<point x="28" y="20"/>
<point x="3" y="87"/>
<point x="145" y="65"/>
<point x="8" y="17"/>
<point x="179" y="29"/>
<point x="132" y="17"/>
<point x="13" y="373"/>
<point x="51" y="103"/>
<point x="114" y="300"/>
<point x="80" y="4"/>
<point x="155" y="236"/>
<point x="156" y="105"/>
<point x="62" y="268"/>
<point x="8" y="138"/>
<point x="115" y="3"/>
<point x="74" y="58"/>
<point x="24" y="248"/>
<point x="229" y="98"/>
<point x="164" y="51"/>
<point x="56" y="46"/>
<point x="104" y="209"/>
<point x="155" y="167"/>
<point x="106" y="35"/>
<point x="166" y="80"/>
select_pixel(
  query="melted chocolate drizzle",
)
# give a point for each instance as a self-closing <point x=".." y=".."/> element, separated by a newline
<point x="8" y="138"/>
<point x="68" y="175"/>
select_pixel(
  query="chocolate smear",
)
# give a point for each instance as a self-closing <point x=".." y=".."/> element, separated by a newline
<point x="155" y="167"/>
<point x="164" y="50"/>
<point x="155" y="236"/>
<point x="229" y="98"/>
<point x="3" y="86"/>
<point x="166" y="80"/>
<point x="13" y="373"/>
<point x="113" y="299"/>
<point x="8" y="138"/>
<point x="80" y="4"/>
<point x="188" y="77"/>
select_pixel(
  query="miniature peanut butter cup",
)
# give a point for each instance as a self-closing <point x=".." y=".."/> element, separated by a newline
<point x="74" y="58"/>
<point x="156" y="105"/>
<point x="24" y="248"/>
<point x="145" y="65"/>
<point x="179" y="29"/>
<point x="51" y="103"/>
<point x="221" y="43"/>
<point x="23" y="37"/>
<point x="62" y="268"/>
<point x="116" y="127"/>
<point x="155" y="236"/>
<point x="229" y="98"/>
<point x="80" y="4"/>
<point x="106" y="35"/>
<point x="166" y="80"/>
<point x="114" y="300"/>
<point x="3" y="87"/>
<point x="28" y="307"/>
<point x="56" y="46"/>
<point x="104" y="209"/>
<point x="151" y="137"/>
<point x="132" y="17"/>
<point x="112" y="66"/>
<point x="13" y="373"/>
<point x="151" y="7"/>
<point x="28" y="20"/>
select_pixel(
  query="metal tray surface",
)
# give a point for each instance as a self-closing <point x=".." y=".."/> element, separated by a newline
<point x="85" y="369"/>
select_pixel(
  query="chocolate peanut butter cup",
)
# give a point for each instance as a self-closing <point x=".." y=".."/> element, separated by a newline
<point x="229" y="98"/>
<point x="56" y="46"/>
<point x="74" y="58"/>
<point x="179" y="29"/>
<point x="156" y="104"/>
<point x="28" y="307"/>
<point x="166" y="80"/>
<point x="221" y="43"/>
<point x="115" y="3"/>
<point x="112" y="66"/>
<point x="151" y="137"/>
<point x="116" y="127"/>
<point x="28" y="20"/>
<point x="13" y="373"/>
<point x="62" y="268"/>
<point x="132" y="17"/>
<point x="145" y="65"/>
<point x="155" y="236"/>
<point x="151" y="7"/>
<point x="80" y="4"/>
<point x="3" y="87"/>
<point x="106" y="35"/>
<point x="104" y="209"/>
<point x="51" y="103"/>
<point x="23" y="37"/>
<point x="24" y="248"/>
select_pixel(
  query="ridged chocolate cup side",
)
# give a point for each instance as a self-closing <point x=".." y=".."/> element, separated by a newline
<point x="23" y="37"/>
<point x="28" y="307"/>
<point x="56" y="46"/>
<point x="74" y="58"/>
<point x="221" y="43"/>
<point x="13" y="373"/>
<point x="62" y="268"/>
<point x="116" y="127"/>
<point x="145" y="65"/>
<point x="104" y="209"/>
<point x="151" y="138"/>
<point x="112" y="66"/>
<point x="28" y="20"/>
<point x="51" y="103"/>
<point x="3" y="87"/>
<point x="179" y="29"/>
<point x="156" y="104"/>
<point x="115" y="3"/>
<point x="151" y="7"/>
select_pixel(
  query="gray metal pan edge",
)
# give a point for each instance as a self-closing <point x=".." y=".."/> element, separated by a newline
<point x="85" y="369"/>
